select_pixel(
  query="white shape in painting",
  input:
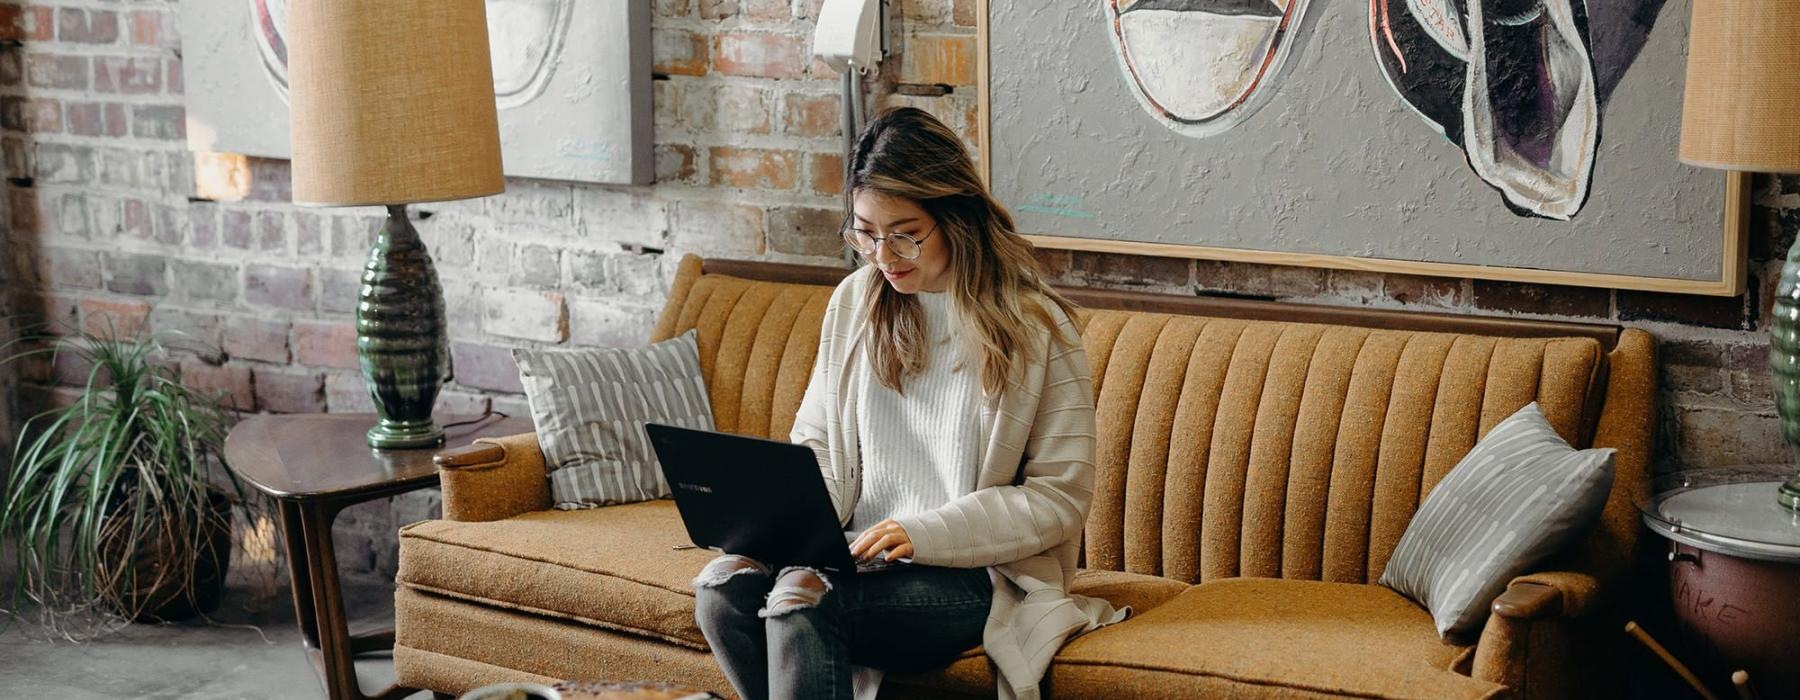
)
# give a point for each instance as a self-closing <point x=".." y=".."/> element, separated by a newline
<point x="1201" y="67"/>
<point x="1553" y="185"/>
<point x="1443" y="24"/>
<point x="525" y="39"/>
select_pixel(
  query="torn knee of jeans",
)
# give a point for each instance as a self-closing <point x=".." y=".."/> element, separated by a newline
<point x="796" y="588"/>
<point x="722" y="569"/>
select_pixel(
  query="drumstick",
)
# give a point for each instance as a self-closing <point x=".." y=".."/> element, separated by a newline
<point x="1741" y="681"/>
<point x="1638" y="633"/>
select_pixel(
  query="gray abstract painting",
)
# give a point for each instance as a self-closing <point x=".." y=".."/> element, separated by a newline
<point x="571" y="82"/>
<point x="1534" y="134"/>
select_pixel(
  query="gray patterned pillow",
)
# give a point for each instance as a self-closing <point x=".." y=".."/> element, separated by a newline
<point x="1519" y="496"/>
<point x="590" y="406"/>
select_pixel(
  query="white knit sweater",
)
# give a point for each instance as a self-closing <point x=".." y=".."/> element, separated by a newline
<point x="919" y="445"/>
<point x="1036" y="478"/>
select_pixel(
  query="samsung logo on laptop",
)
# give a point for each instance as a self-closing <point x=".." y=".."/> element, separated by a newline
<point x="693" y="487"/>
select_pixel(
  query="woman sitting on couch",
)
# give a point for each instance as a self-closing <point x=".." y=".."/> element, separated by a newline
<point x="953" y="416"/>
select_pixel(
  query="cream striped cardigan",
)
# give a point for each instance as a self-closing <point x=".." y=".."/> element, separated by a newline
<point x="1025" y="517"/>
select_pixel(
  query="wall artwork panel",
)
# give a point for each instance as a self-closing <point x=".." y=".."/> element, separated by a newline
<point x="1529" y="140"/>
<point x="571" y="81"/>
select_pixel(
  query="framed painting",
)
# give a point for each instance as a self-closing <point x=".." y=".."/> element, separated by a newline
<point x="571" y="82"/>
<point x="1488" y="139"/>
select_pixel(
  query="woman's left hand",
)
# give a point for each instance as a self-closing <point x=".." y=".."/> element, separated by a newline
<point x="885" y="536"/>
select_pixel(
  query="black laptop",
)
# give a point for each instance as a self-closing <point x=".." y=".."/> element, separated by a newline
<point x="763" y="499"/>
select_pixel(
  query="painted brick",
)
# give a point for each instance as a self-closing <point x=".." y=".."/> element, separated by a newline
<point x="964" y="13"/>
<point x="767" y="10"/>
<point x="128" y="75"/>
<point x="1707" y="435"/>
<point x="718" y="229"/>
<point x="110" y="318"/>
<point x="36" y="115"/>
<point x="79" y="26"/>
<point x="718" y="9"/>
<point x="1747" y="372"/>
<point x="135" y="273"/>
<point x="163" y="122"/>
<point x="353" y="235"/>
<point x="760" y="55"/>
<point x="665" y="105"/>
<point x="595" y="323"/>
<point x="197" y="280"/>
<point x="528" y="315"/>
<point x="171" y="224"/>
<point x="309" y="233"/>
<point x="1687" y="309"/>
<point x="69" y="268"/>
<point x="284" y="287"/>
<point x="614" y="216"/>
<point x="256" y="338"/>
<point x="203" y="221"/>
<point x="697" y="107"/>
<point x="22" y="210"/>
<point x="340" y="289"/>
<point x="926" y="11"/>
<point x="12" y="68"/>
<point x="271" y="180"/>
<point x="64" y="164"/>
<point x="1694" y="366"/>
<point x="271" y="231"/>
<point x="826" y="173"/>
<point x="1551" y="300"/>
<point x="533" y="199"/>
<point x="57" y="314"/>
<point x="457" y="406"/>
<point x="345" y="392"/>
<point x="237" y="229"/>
<point x="486" y="367"/>
<point x="450" y="244"/>
<point x="72" y="219"/>
<point x="147" y="29"/>
<point x="33" y="23"/>
<point x="195" y="329"/>
<point x="675" y="162"/>
<point x="325" y="344"/>
<point x="811" y="115"/>
<point x="87" y="119"/>
<point x="1132" y="270"/>
<point x="670" y="8"/>
<point x="753" y="168"/>
<point x="173" y="77"/>
<point x="743" y="109"/>
<point x="938" y="59"/>
<point x="1258" y="281"/>
<point x="616" y="273"/>
<point x="56" y="71"/>
<point x="680" y="52"/>
<point x="1428" y="291"/>
<point x="280" y="390"/>
<point x="138" y="223"/>
<point x="539" y="266"/>
<point x="806" y="231"/>
<point x="1055" y="264"/>
<point x="231" y="385"/>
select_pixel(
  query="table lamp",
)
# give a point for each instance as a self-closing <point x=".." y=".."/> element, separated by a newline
<point x="393" y="104"/>
<point x="1742" y="112"/>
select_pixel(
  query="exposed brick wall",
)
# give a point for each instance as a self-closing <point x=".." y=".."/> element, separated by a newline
<point x="105" y="224"/>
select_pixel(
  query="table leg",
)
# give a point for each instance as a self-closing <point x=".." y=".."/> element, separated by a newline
<point x="339" y="671"/>
<point x="299" y="573"/>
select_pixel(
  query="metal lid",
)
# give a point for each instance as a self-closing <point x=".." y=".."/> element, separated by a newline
<point x="1728" y="511"/>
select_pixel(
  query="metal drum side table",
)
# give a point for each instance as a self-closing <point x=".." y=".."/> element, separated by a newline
<point x="1734" y="570"/>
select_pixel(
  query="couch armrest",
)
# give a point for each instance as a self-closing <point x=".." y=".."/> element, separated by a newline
<point x="1542" y="640"/>
<point x="493" y="479"/>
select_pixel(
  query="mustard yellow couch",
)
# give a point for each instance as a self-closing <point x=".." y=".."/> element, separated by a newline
<point x="1254" y="476"/>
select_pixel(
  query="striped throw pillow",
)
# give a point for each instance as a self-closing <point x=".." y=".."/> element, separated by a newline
<point x="590" y="406"/>
<point x="1518" y="497"/>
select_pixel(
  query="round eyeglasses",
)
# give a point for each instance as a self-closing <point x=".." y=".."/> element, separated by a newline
<point x="900" y="244"/>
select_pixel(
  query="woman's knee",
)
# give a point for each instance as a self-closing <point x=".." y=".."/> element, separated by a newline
<point x="796" y="588"/>
<point x="724" y="569"/>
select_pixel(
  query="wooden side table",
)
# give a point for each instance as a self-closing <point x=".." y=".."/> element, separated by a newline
<point x="315" y="466"/>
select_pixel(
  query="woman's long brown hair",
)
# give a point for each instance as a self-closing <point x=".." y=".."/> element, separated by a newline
<point x="906" y="152"/>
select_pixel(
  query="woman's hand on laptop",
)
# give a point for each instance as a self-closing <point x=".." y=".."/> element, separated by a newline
<point x="885" y="536"/>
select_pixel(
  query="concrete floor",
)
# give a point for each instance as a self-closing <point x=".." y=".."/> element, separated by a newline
<point x="232" y="659"/>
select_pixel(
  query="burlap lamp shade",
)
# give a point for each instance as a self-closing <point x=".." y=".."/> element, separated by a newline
<point x="1742" y="112"/>
<point x="393" y="102"/>
<point x="1742" y="108"/>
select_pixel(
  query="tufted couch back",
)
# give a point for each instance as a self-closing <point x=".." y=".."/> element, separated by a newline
<point x="1241" y="447"/>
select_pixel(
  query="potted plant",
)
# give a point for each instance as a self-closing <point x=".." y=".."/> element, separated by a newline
<point x="116" y="503"/>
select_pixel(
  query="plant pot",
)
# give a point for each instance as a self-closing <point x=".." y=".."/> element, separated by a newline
<point x="157" y="584"/>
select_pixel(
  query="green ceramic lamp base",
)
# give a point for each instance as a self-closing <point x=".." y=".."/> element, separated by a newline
<point x="405" y="435"/>
<point x="1789" y="495"/>
<point x="400" y="337"/>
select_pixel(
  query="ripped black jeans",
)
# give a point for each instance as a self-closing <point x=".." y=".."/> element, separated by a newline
<point x="795" y="634"/>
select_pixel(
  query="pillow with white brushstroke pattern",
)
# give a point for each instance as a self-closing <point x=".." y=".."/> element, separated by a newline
<point x="1520" y="495"/>
<point x="590" y="406"/>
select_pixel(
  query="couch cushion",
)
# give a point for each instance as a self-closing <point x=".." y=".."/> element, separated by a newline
<point x="1270" y="637"/>
<point x="970" y="674"/>
<point x="607" y="567"/>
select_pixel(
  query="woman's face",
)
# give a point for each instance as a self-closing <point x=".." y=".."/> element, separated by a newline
<point x="878" y="215"/>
